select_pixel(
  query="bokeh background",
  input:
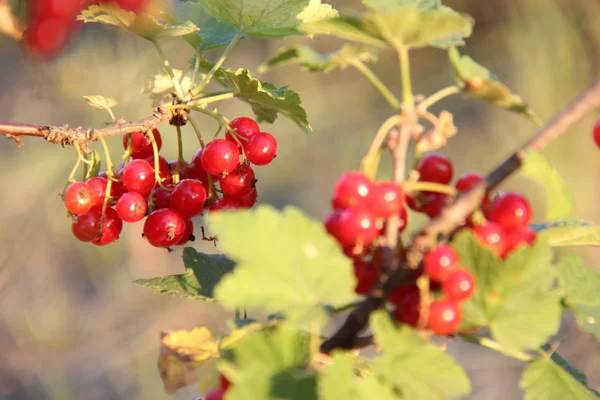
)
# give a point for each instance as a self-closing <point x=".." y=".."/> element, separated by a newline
<point x="72" y="323"/>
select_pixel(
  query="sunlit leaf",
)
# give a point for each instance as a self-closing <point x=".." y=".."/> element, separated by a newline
<point x="569" y="233"/>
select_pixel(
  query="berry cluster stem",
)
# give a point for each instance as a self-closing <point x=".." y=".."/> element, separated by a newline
<point x="197" y="130"/>
<point x="156" y="160"/>
<point x="179" y="155"/>
<point x="370" y="161"/>
<point x="429" y="187"/>
<point x="169" y="70"/>
<point x="407" y="94"/>
<point x="437" y="96"/>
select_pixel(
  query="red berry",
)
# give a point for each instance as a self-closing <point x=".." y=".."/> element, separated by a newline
<point x="224" y="383"/>
<point x="46" y="35"/>
<point x="98" y="186"/>
<point x="356" y="226"/>
<point x="597" y="133"/>
<point x="141" y="146"/>
<point x="352" y="189"/>
<point x="332" y="223"/>
<point x="225" y="204"/>
<point x="408" y="309"/>
<point x="435" y="204"/>
<point x="79" y="198"/>
<point x="493" y="236"/>
<point x="385" y="199"/>
<point x="249" y="199"/>
<point x="444" y="317"/>
<point x="131" y="5"/>
<point x="138" y="176"/>
<point x="238" y="182"/>
<point x="188" y="233"/>
<point x="511" y="211"/>
<point x="188" y="198"/>
<point x="161" y="197"/>
<point x="435" y="167"/>
<point x="131" y="207"/>
<point x="196" y="170"/>
<point x="63" y="9"/>
<point x="400" y="293"/>
<point x="520" y="237"/>
<point x="439" y="262"/>
<point x="459" y="286"/>
<point x="164" y="228"/>
<point x="116" y="187"/>
<point x="403" y="220"/>
<point x="467" y="181"/>
<point x="86" y="227"/>
<point x="164" y="172"/>
<point x="261" y="149"/>
<point x="366" y="275"/>
<point x="220" y="157"/>
<point x="183" y="171"/>
<point x="245" y="128"/>
<point x="216" y="394"/>
<point x="110" y="229"/>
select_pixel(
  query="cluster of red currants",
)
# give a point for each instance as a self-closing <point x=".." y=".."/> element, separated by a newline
<point x="361" y="208"/>
<point x="218" y="393"/>
<point x="52" y="22"/>
<point x="185" y="189"/>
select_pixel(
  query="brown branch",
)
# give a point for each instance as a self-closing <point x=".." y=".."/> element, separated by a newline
<point x="454" y="215"/>
<point x="66" y="136"/>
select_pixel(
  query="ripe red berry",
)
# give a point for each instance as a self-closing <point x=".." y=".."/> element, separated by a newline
<point x="196" y="170"/>
<point x="86" y="227"/>
<point x="141" y="146"/>
<point x="445" y="317"/>
<point x="164" y="228"/>
<point x="138" y="176"/>
<point x="164" y="172"/>
<point x="46" y="35"/>
<point x="131" y="207"/>
<point x="238" y="182"/>
<point x="352" y="189"/>
<point x="385" y="199"/>
<point x="132" y="5"/>
<point x="459" y="286"/>
<point x="400" y="293"/>
<point x="188" y="233"/>
<point x="519" y="237"/>
<point x="216" y="394"/>
<point x="355" y="226"/>
<point x="183" y="171"/>
<point x="224" y="383"/>
<point x="116" y="188"/>
<point x="493" y="236"/>
<point x="408" y="309"/>
<point x="220" y="157"/>
<point x="161" y="198"/>
<point x="111" y="229"/>
<point x="249" y="199"/>
<point x="261" y="149"/>
<point x="245" y="128"/>
<point x="188" y="198"/>
<point x="98" y="186"/>
<point x="511" y="211"/>
<point x="439" y="262"/>
<point x="225" y="204"/>
<point x="435" y="204"/>
<point x="366" y="275"/>
<point x="597" y="133"/>
<point x="79" y="198"/>
<point x="467" y="181"/>
<point x="435" y="167"/>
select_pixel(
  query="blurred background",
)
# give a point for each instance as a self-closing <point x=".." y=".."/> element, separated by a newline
<point x="72" y="323"/>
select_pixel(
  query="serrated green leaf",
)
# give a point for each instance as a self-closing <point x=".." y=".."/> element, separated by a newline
<point x="101" y="102"/>
<point x="581" y="287"/>
<point x="479" y="82"/>
<point x="511" y="296"/>
<point x="404" y="27"/>
<point x="314" y="61"/>
<point x="266" y="100"/>
<point x="144" y="25"/>
<point x="268" y="18"/>
<point x="544" y="379"/>
<point x="419" y="369"/>
<point x="423" y="5"/>
<point x="564" y="364"/>
<point x="569" y="233"/>
<point x="203" y="273"/>
<point x="340" y="382"/>
<point x="560" y="201"/>
<point x="286" y="263"/>
<point x="94" y="169"/>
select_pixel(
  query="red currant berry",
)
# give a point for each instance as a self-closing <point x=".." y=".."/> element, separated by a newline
<point x="111" y="229"/>
<point x="225" y="204"/>
<point x="439" y="262"/>
<point x="245" y="128"/>
<point x="132" y="5"/>
<point x="597" y="133"/>
<point x="138" y="176"/>
<point x="183" y="171"/>
<point x="400" y="293"/>
<point x="366" y="275"/>
<point x="445" y="317"/>
<point x="385" y="199"/>
<point x="79" y="198"/>
<point x="356" y="226"/>
<point x="220" y="157"/>
<point x="161" y="198"/>
<point x="435" y="204"/>
<point x="332" y="224"/>
<point x="249" y="199"/>
<point x="435" y="167"/>
<point x="511" y="211"/>
<point x="141" y="146"/>
<point x="261" y="149"/>
<point x="188" y="198"/>
<point x="131" y="207"/>
<point x="217" y="394"/>
<point x="459" y="286"/>
<point x="86" y="227"/>
<point x="47" y="35"/>
<point x="493" y="236"/>
<point x="98" y="186"/>
<point x="116" y="187"/>
<point x="197" y="171"/>
<point x="224" y="383"/>
<point x="520" y="237"/>
<point x="467" y="181"/>
<point x="352" y="189"/>
<point x="164" y="172"/>
<point x="403" y="220"/>
<point x="164" y="228"/>
<point x="63" y="9"/>
<point x="238" y="182"/>
<point x="188" y="233"/>
<point x="408" y="309"/>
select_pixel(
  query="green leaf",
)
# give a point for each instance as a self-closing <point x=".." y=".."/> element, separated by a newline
<point x="419" y="369"/>
<point x="287" y="263"/>
<point x="422" y="5"/>
<point x="560" y="201"/>
<point x="581" y="287"/>
<point x="268" y="18"/>
<point x="266" y="100"/>
<point x="314" y="61"/>
<point x="161" y="85"/>
<point x="478" y="81"/>
<point x="404" y="27"/>
<point x="143" y="25"/>
<point x="94" y="169"/>
<point x="511" y="296"/>
<point x="340" y="382"/>
<point x="545" y="379"/>
<point x="101" y="102"/>
<point x="203" y="273"/>
<point x="564" y="364"/>
<point x="569" y="233"/>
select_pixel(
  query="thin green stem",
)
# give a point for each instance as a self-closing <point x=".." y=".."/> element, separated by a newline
<point x="109" y="163"/>
<point x="109" y="174"/>
<point x="429" y="187"/>
<point x="196" y="68"/>
<point x="197" y="130"/>
<point x="165" y="61"/>
<point x="345" y="307"/>
<point x="437" y="96"/>
<point x="179" y="156"/>
<point x="491" y="344"/>
<point x="127" y="153"/>
<point x="407" y="94"/>
<point x="112" y="114"/>
<point x="198" y="89"/>
<point x="379" y="85"/>
<point x="159" y="180"/>
<point x="86" y="163"/>
<point x="371" y="160"/>
<point x="71" y="178"/>
<point x="212" y="99"/>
